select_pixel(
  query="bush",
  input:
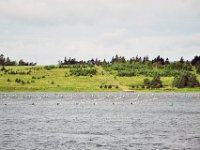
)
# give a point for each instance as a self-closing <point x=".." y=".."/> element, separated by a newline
<point x="8" y="80"/>
<point x="156" y="82"/>
<point x="110" y="86"/>
<point x="83" y="71"/>
<point x="50" y="67"/>
<point x="147" y="82"/>
<point x="186" y="80"/>
<point x="198" y="69"/>
<point x="116" y="86"/>
<point x="52" y="82"/>
<point x="3" y="68"/>
<point x="126" y="73"/>
<point x="20" y="81"/>
<point x="101" y="86"/>
<point x="105" y="86"/>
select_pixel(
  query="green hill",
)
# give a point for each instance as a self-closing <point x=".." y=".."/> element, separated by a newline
<point x="54" y="78"/>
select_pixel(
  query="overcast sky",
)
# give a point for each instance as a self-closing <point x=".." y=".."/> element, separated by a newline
<point x="45" y="31"/>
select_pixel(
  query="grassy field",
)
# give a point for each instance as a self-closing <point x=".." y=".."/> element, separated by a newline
<point x="60" y="80"/>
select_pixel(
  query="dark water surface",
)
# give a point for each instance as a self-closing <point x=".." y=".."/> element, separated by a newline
<point x="99" y="121"/>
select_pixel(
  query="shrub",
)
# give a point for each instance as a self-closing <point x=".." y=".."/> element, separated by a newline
<point x="105" y="86"/>
<point x="156" y="82"/>
<point x="198" y="69"/>
<point x="83" y="71"/>
<point x="20" y="81"/>
<point x="3" y="68"/>
<point x="116" y="86"/>
<point x="186" y="80"/>
<point x="126" y="73"/>
<point x="101" y="86"/>
<point x="50" y="67"/>
<point x="109" y="86"/>
<point x="52" y="82"/>
<point x="147" y="82"/>
<point x="8" y="80"/>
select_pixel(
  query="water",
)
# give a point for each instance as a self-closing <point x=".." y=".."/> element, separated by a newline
<point x="99" y="121"/>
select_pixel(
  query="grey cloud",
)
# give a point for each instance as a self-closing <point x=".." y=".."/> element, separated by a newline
<point x="48" y="30"/>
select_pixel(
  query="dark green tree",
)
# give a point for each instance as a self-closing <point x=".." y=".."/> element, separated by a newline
<point x="198" y="69"/>
<point x="147" y="83"/>
<point x="186" y="79"/>
<point x="156" y="82"/>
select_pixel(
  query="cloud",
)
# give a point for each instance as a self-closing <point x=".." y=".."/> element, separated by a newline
<point x="46" y="50"/>
<point x="89" y="11"/>
<point x="47" y="30"/>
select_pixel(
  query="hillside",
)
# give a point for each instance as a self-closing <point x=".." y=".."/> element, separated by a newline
<point x="54" y="78"/>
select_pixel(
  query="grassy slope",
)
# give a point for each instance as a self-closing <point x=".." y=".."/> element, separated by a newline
<point x="55" y="80"/>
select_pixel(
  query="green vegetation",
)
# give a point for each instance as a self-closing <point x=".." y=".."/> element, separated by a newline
<point x="186" y="80"/>
<point x="135" y="74"/>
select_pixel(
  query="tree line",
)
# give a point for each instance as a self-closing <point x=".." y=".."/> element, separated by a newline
<point x="6" y="61"/>
<point x="157" y="61"/>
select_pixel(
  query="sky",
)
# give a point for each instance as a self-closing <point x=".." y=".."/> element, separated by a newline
<point x="45" y="31"/>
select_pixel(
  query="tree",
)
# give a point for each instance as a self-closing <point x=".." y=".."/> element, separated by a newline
<point x="198" y="69"/>
<point x="22" y="63"/>
<point x="195" y="61"/>
<point x="167" y="61"/>
<point x="181" y="60"/>
<point x="156" y="82"/>
<point x="147" y="83"/>
<point x="2" y="60"/>
<point x="158" y="59"/>
<point x="186" y="79"/>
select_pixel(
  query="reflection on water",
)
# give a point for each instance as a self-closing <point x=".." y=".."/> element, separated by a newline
<point x="99" y="121"/>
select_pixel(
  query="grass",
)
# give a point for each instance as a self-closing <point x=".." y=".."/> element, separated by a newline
<point x="59" y="80"/>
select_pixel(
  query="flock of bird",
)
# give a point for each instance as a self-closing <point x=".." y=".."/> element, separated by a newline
<point x="93" y="98"/>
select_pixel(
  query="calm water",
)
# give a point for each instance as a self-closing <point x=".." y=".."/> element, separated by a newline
<point x="99" y="121"/>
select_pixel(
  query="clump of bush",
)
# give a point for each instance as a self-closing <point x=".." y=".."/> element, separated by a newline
<point x="110" y="86"/>
<point x="154" y="83"/>
<point x="198" y="69"/>
<point x="126" y="73"/>
<point x="8" y="80"/>
<point x="83" y="71"/>
<point x="186" y="80"/>
<point x="50" y="67"/>
<point x="133" y="86"/>
<point x="20" y="81"/>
